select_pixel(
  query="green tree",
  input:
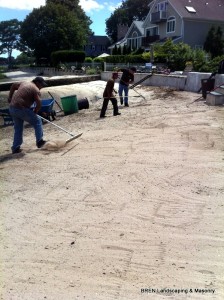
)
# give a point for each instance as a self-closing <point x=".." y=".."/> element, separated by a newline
<point x="119" y="50"/>
<point x="115" y="50"/>
<point x="76" y="9"/>
<point x="214" y="43"/>
<point x="118" y="17"/>
<point x="199" y="59"/>
<point x="182" y="54"/>
<point x="125" y="50"/>
<point x="24" y="58"/>
<point x="51" y="28"/>
<point x="9" y="37"/>
<point x="174" y="55"/>
<point x="129" y="11"/>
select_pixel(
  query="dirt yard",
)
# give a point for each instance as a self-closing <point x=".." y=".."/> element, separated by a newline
<point x="131" y="210"/>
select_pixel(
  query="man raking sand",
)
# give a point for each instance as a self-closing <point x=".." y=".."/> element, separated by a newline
<point x="24" y="104"/>
<point x="22" y="96"/>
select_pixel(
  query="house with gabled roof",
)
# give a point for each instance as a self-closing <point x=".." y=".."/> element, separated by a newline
<point x="133" y="37"/>
<point x="135" y="34"/>
<point x="187" y="21"/>
<point x="96" y="45"/>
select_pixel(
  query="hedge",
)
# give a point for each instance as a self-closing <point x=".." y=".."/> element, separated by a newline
<point x="66" y="56"/>
<point x="125" y="59"/>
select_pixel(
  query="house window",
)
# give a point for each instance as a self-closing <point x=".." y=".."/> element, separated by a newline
<point x="134" y="40"/>
<point x="152" y="31"/>
<point x="171" y="23"/>
<point x="200" y="47"/>
<point x="161" y="6"/>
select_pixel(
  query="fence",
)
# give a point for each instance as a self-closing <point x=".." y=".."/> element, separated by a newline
<point x="68" y="69"/>
<point x="115" y="66"/>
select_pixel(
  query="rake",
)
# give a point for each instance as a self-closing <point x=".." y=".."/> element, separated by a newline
<point x="73" y="136"/>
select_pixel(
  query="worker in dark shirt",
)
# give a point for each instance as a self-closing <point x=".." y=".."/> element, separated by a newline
<point x="108" y="94"/>
<point x="126" y="78"/>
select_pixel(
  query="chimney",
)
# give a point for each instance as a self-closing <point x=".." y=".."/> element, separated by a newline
<point x="121" y="31"/>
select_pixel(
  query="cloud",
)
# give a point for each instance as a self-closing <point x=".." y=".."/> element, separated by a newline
<point x="22" y="4"/>
<point x="87" y="5"/>
<point x="112" y="7"/>
<point x="90" y="5"/>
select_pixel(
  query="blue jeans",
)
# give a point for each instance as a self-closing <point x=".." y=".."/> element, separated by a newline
<point x="123" y="88"/>
<point x="19" y="115"/>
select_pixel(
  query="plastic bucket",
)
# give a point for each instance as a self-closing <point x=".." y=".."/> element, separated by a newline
<point x="207" y="85"/>
<point x="83" y="104"/>
<point x="69" y="104"/>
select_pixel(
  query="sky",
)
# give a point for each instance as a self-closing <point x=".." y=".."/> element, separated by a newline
<point x="97" y="10"/>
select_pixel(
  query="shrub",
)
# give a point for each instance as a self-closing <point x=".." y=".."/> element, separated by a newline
<point x="125" y="59"/>
<point x="212" y="65"/>
<point x="98" y="59"/>
<point x="66" y="56"/>
<point x="88" y="59"/>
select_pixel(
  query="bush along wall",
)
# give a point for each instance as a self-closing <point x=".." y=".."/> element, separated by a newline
<point x="125" y="59"/>
<point x="67" y="56"/>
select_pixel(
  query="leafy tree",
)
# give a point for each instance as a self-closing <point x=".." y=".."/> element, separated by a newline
<point x="164" y="53"/>
<point x="53" y="27"/>
<point x="76" y="9"/>
<point x="129" y="50"/>
<point x="174" y="55"/>
<point x="212" y="65"/>
<point x="125" y="50"/>
<point x="114" y="51"/>
<point x="129" y="11"/>
<point x="182" y="54"/>
<point x="199" y="59"/>
<point x="24" y="58"/>
<point x="138" y="51"/>
<point x="118" y="17"/>
<point x="136" y="10"/>
<point x="214" y="43"/>
<point x="9" y="37"/>
<point x="119" y="50"/>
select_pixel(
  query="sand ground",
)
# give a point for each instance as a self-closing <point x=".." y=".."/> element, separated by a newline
<point x="133" y="209"/>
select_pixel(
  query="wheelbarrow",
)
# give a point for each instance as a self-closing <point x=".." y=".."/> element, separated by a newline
<point x="4" y="112"/>
<point x="46" y="110"/>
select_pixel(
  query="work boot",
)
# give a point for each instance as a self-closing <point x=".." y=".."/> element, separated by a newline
<point x="103" y="117"/>
<point x="40" y="143"/>
<point x="17" y="150"/>
<point x="117" y="114"/>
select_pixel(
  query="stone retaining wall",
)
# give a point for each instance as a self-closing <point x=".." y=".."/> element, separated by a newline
<point x="190" y="82"/>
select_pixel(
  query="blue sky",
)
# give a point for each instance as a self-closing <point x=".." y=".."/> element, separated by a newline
<point x="97" y="10"/>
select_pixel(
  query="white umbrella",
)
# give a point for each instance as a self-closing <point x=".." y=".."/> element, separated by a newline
<point x="103" y="55"/>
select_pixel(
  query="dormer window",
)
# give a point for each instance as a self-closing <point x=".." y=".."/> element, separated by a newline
<point x="161" y="6"/>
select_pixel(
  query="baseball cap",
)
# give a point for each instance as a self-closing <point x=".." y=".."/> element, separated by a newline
<point x="40" y="80"/>
<point x="114" y="75"/>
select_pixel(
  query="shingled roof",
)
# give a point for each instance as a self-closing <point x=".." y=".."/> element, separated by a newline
<point x="202" y="9"/>
<point x="99" y="40"/>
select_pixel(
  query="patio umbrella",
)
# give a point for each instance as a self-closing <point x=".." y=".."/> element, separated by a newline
<point x="103" y="55"/>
